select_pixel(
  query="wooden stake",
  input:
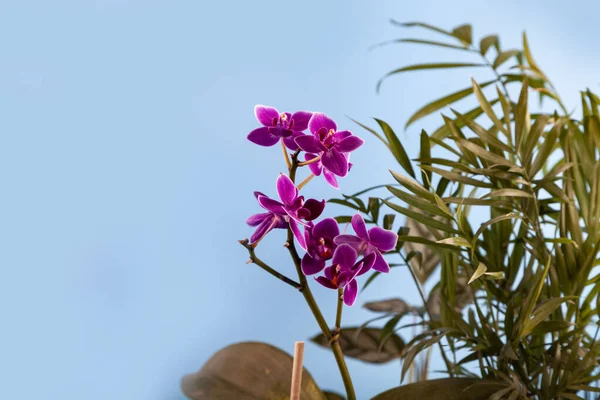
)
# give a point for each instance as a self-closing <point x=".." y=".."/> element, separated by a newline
<point x="297" y="370"/>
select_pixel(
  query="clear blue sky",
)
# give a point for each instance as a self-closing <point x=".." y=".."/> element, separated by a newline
<point x="126" y="177"/>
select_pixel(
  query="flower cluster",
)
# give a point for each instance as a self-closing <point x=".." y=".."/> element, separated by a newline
<point x="327" y="152"/>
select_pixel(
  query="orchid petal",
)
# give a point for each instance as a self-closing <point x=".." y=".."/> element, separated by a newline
<point x="320" y="120"/>
<point x="330" y="178"/>
<point x="325" y="282"/>
<point x="350" y="240"/>
<point x="367" y="263"/>
<point x="349" y="144"/>
<point x="288" y="192"/>
<point x="315" y="207"/>
<point x="310" y="144"/>
<point x="290" y="141"/>
<point x="297" y="233"/>
<point x="262" y="137"/>
<point x="315" y="167"/>
<point x="311" y="266"/>
<point x="359" y="226"/>
<point x="383" y="239"/>
<point x="301" y="119"/>
<point x="380" y="264"/>
<point x="326" y="228"/>
<point x="271" y="205"/>
<point x="268" y="116"/>
<point x="350" y="293"/>
<point x="256" y="219"/>
<point x="335" y="161"/>
<point x="344" y="256"/>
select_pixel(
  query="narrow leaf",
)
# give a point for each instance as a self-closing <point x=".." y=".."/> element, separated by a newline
<point x="481" y="269"/>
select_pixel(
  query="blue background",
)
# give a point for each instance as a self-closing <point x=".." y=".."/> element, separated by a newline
<point x="126" y="177"/>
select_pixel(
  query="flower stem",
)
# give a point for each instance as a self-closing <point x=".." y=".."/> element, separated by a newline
<point x="312" y="304"/>
<point x="340" y="307"/>
<point x="314" y="160"/>
<point x="254" y="259"/>
<point x="304" y="182"/>
<point x="285" y="155"/>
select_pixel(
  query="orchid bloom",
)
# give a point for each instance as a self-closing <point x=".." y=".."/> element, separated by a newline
<point x="331" y="145"/>
<point x="374" y="241"/>
<point x="292" y="208"/>
<point x="319" y="245"/>
<point x="285" y="126"/>
<point x="342" y="272"/>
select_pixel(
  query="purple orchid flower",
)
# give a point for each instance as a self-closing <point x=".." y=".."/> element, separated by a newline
<point x="285" y="126"/>
<point x="329" y="143"/>
<point x="319" y="245"/>
<point x="293" y="208"/>
<point x="342" y="272"/>
<point x="375" y="241"/>
<point x="265" y="223"/>
<point x="317" y="167"/>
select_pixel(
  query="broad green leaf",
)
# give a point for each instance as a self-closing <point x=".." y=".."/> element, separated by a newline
<point x="481" y="269"/>
<point x="492" y="221"/>
<point x="503" y="56"/>
<point x="507" y="193"/>
<point x="521" y="115"/>
<point x="546" y="149"/>
<point x="476" y="202"/>
<point x="425" y="220"/>
<point x="374" y="132"/>
<point x="345" y="203"/>
<point x="412" y="185"/>
<point x="473" y="114"/>
<point x="495" y="275"/>
<point x="487" y="42"/>
<point x="482" y="132"/>
<point x="420" y="240"/>
<point x="486" y="106"/>
<point x="442" y="206"/>
<point x="425" y="154"/>
<point x="423" y="25"/>
<point x="506" y="110"/>
<point x="561" y="241"/>
<point x="247" y="371"/>
<point x="542" y="312"/>
<point x="456" y="241"/>
<point x="463" y="33"/>
<point x="532" y="298"/>
<point x="456" y="177"/>
<point x="486" y="155"/>
<point x="343" y="219"/>
<point x="442" y="102"/>
<point x="388" y="221"/>
<point x="418" y="202"/>
<point x="427" y="66"/>
<point x="427" y="42"/>
<point x="533" y="138"/>
<point x="530" y="59"/>
<point x="365" y="344"/>
<point x="445" y="389"/>
<point x="396" y="147"/>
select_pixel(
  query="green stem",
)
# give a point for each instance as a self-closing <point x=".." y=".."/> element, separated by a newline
<point x="312" y="304"/>
<point x="255" y="260"/>
<point x="340" y="307"/>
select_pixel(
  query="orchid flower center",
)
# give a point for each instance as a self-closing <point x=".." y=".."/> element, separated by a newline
<point x="285" y="121"/>
<point x="325" y="247"/>
<point x="336" y="274"/>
